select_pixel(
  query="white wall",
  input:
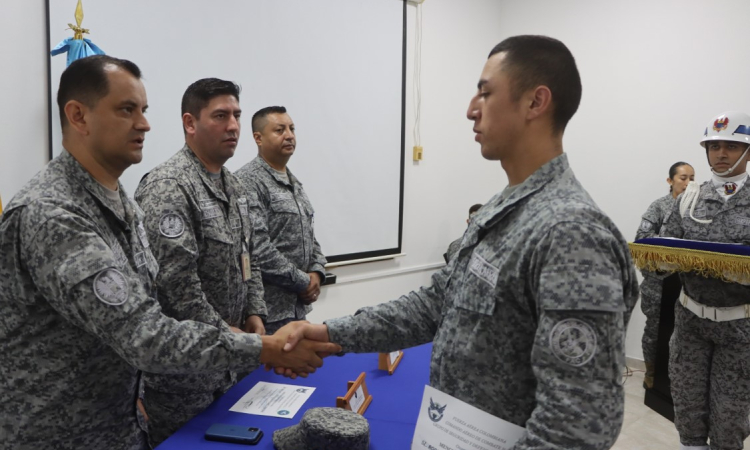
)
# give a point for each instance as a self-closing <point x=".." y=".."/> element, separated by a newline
<point x="23" y="90"/>
<point x="653" y="75"/>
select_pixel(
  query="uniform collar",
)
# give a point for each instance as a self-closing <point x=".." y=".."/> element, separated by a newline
<point x="76" y="172"/>
<point x="292" y="179"/>
<point x="498" y="206"/>
<point x="206" y="178"/>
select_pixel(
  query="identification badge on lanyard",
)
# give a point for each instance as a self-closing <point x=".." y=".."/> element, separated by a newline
<point x="245" y="262"/>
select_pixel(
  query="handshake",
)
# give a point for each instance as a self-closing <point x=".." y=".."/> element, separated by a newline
<point x="297" y="349"/>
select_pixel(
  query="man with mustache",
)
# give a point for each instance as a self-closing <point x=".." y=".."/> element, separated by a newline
<point x="289" y="256"/>
<point x="79" y="316"/>
<point x="198" y="223"/>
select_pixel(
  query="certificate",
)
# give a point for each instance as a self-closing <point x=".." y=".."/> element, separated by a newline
<point x="273" y="399"/>
<point x="447" y="423"/>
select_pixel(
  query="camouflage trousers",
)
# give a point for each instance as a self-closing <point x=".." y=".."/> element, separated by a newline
<point x="709" y="368"/>
<point x="171" y="401"/>
<point x="651" y="289"/>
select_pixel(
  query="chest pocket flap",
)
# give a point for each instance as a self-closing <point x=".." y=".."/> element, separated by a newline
<point x="475" y="291"/>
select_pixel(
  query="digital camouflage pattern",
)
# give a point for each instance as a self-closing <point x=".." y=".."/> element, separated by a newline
<point x="285" y="244"/>
<point x="528" y="320"/>
<point x="709" y="367"/>
<point x="79" y="317"/>
<point x="198" y="234"/>
<point x="651" y="286"/>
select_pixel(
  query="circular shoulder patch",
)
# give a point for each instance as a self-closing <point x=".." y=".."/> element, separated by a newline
<point x="111" y="287"/>
<point x="573" y="342"/>
<point x="646" y="225"/>
<point x="171" y="225"/>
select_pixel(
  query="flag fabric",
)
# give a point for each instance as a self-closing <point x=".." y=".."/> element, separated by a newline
<point x="76" y="49"/>
<point x="710" y="259"/>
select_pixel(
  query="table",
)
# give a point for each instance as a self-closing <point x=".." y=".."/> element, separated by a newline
<point x="392" y="414"/>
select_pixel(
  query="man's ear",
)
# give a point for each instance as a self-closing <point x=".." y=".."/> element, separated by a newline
<point x="188" y="123"/>
<point x="77" y="113"/>
<point x="258" y="138"/>
<point x="540" y="101"/>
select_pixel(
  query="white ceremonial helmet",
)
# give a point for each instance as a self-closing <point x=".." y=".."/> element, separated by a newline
<point x="728" y="126"/>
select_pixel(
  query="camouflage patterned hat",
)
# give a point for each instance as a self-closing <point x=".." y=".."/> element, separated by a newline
<point x="325" y="429"/>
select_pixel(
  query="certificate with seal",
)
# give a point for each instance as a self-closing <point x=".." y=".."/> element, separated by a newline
<point x="273" y="399"/>
<point x="447" y="423"/>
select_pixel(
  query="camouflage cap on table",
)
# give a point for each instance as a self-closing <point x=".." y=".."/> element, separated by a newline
<point x="325" y="428"/>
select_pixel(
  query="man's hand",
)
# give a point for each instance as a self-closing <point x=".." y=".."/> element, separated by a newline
<point x="302" y="333"/>
<point x="303" y="358"/>
<point x="310" y="295"/>
<point x="254" y="324"/>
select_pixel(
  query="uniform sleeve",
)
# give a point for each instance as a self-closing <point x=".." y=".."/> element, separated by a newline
<point x="276" y="269"/>
<point x="180" y="293"/>
<point x="586" y="289"/>
<point x="411" y="320"/>
<point x="318" y="261"/>
<point x="651" y="222"/>
<point x="81" y="277"/>
<point x="256" y="303"/>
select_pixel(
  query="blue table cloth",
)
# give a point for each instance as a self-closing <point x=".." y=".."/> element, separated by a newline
<point x="392" y="414"/>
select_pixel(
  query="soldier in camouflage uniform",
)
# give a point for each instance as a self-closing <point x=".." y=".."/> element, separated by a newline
<point x="78" y="312"/>
<point x="680" y="174"/>
<point x="528" y="320"/>
<point x="198" y="223"/>
<point x="290" y="259"/>
<point x="709" y="367"/>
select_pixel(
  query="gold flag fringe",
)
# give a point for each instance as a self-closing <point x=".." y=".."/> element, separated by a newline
<point x="709" y="264"/>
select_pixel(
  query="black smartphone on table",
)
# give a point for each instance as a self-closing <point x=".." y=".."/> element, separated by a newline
<point x="236" y="434"/>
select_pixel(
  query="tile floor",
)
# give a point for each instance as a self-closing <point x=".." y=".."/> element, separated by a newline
<point x="644" y="429"/>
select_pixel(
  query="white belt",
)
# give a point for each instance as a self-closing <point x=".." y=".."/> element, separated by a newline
<point x="713" y="313"/>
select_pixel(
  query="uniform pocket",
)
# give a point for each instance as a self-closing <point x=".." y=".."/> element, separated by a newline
<point x="477" y="297"/>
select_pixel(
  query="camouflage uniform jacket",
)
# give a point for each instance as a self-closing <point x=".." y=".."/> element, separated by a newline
<point x="200" y="271"/>
<point x="285" y="244"/>
<point x="79" y="317"/>
<point x="198" y="235"/>
<point x="528" y="320"/>
<point x="655" y="217"/>
<point x="731" y="224"/>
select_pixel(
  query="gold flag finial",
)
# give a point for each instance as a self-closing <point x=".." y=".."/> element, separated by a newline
<point x="79" y="13"/>
<point x="78" y="31"/>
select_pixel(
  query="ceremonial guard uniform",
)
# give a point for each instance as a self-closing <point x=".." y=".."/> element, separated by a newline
<point x="528" y="319"/>
<point x="710" y="349"/>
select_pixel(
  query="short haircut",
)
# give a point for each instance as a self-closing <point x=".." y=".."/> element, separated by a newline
<point x="199" y="94"/>
<point x="474" y="208"/>
<point x="86" y="81"/>
<point x="533" y="61"/>
<point x="259" y="118"/>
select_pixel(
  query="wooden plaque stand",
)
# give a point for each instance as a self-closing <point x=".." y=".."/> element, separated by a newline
<point x="389" y="361"/>
<point x="356" y="396"/>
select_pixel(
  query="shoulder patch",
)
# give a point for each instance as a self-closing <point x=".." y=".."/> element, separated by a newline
<point x="111" y="287"/>
<point x="573" y="342"/>
<point x="171" y="225"/>
<point x="646" y="225"/>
